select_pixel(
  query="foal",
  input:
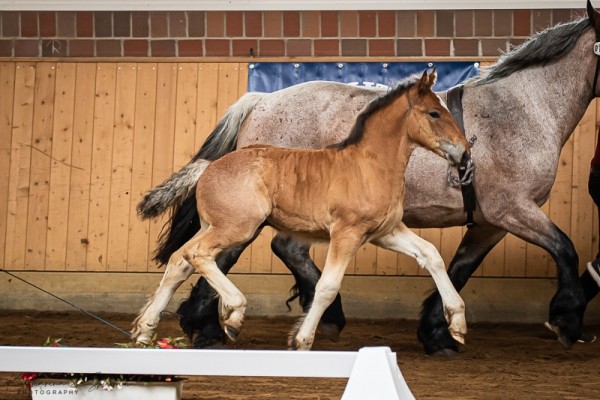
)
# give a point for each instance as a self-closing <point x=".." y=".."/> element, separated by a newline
<point x="349" y="194"/>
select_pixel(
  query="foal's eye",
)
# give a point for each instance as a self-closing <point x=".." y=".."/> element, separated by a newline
<point x="434" y="114"/>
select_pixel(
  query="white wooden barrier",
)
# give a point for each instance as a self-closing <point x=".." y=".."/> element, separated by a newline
<point x="373" y="371"/>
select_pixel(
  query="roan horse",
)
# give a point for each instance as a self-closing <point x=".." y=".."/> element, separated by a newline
<point x="349" y="194"/>
<point x="522" y="112"/>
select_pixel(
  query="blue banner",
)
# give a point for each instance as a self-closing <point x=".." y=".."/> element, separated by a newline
<point x="269" y="77"/>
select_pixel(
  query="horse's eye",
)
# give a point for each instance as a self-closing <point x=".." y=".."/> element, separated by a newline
<point x="434" y="114"/>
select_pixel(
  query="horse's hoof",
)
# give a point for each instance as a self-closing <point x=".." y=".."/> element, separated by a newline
<point x="587" y="337"/>
<point x="446" y="353"/>
<point x="231" y="332"/>
<point x="562" y="338"/>
<point x="459" y="337"/>
<point x="329" y="331"/>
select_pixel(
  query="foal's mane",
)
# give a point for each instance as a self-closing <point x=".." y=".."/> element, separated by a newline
<point x="543" y="47"/>
<point x="358" y="130"/>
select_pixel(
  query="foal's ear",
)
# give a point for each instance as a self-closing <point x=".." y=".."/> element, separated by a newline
<point x="423" y="83"/>
<point x="593" y="15"/>
<point x="432" y="78"/>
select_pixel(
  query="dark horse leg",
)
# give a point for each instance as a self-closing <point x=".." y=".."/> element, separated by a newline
<point x="433" y="329"/>
<point x="295" y="256"/>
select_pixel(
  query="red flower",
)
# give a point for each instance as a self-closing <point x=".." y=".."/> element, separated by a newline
<point x="164" y="344"/>
<point x="28" y="377"/>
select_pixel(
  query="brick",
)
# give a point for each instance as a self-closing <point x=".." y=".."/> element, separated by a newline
<point x="329" y="24"/>
<point x="10" y="24"/>
<point x="483" y="22"/>
<point x="514" y="42"/>
<point x="196" y="24"/>
<point x="215" y="24"/>
<point x="103" y="24"/>
<point x="561" y="16"/>
<point x="299" y="47"/>
<point x="177" y="24"/>
<point x="407" y="23"/>
<point x="27" y="48"/>
<point x="542" y="19"/>
<point x="122" y="24"/>
<point x="190" y="48"/>
<point x="493" y="47"/>
<point x="29" y="27"/>
<point x="386" y="24"/>
<point x="54" y="48"/>
<point x="271" y="48"/>
<point x="85" y="24"/>
<point x="522" y="22"/>
<point x="135" y="48"/>
<point x="244" y="47"/>
<point x="81" y="48"/>
<point x="444" y="23"/>
<point x="6" y="47"/>
<point x="354" y="47"/>
<point x="466" y="47"/>
<point x="234" y="21"/>
<point x="65" y="24"/>
<point x="47" y="21"/>
<point x="217" y="47"/>
<point x="367" y="23"/>
<point x="425" y="23"/>
<point x="140" y="24"/>
<point x="463" y="23"/>
<point x="162" y="48"/>
<point x="382" y="47"/>
<point x="273" y="23"/>
<point x="437" y="47"/>
<point x="327" y="47"/>
<point x="348" y="23"/>
<point x="503" y="23"/>
<point x="409" y="47"/>
<point x="253" y="24"/>
<point x="310" y="24"/>
<point x="158" y="24"/>
<point x="108" y="48"/>
<point x="291" y="24"/>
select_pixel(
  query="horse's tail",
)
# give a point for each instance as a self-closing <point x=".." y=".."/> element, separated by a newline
<point x="172" y="191"/>
<point x="184" y="222"/>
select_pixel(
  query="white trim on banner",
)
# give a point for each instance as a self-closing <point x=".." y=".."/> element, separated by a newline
<point x="265" y="5"/>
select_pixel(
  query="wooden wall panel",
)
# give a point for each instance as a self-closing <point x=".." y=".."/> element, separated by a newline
<point x="87" y="140"/>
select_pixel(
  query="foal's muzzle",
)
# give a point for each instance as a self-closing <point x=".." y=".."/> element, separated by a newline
<point x="454" y="152"/>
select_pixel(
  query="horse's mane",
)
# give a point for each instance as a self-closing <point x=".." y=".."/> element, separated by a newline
<point x="543" y="47"/>
<point x="358" y="130"/>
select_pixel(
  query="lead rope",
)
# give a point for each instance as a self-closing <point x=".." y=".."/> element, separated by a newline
<point x="105" y="322"/>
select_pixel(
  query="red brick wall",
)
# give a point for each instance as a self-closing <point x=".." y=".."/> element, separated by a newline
<point x="468" y="33"/>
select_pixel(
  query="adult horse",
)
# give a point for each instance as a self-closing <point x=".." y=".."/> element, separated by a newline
<point x="522" y="112"/>
<point x="363" y="175"/>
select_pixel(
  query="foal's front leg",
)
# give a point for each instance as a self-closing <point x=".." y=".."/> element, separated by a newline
<point x="177" y="271"/>
<point x="405" y="241"/>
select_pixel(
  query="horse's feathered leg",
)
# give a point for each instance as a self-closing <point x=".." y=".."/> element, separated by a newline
<point x="433" y="328"/>
<point x="405" y="241"/>
<point x="295" y="255"/>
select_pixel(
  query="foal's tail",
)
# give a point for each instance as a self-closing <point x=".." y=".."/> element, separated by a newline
<point x="178" y="193"/>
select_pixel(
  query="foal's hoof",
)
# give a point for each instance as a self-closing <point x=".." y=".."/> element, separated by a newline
<point x="459" y="337"/>
<point x="562" y="338"/>
<point x="231" y="332"/>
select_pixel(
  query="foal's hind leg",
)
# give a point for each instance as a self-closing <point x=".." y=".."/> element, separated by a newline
<point x="405" y="241"/>
<point x="177" y="271"/>
<point x="295" y="255"/>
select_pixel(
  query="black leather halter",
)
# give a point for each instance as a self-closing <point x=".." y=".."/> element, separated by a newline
<point x="454" y="103"/>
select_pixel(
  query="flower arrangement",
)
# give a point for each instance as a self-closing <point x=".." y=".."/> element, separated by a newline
<point x="108" y="382"/>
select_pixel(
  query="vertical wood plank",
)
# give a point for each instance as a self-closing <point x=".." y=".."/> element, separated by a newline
<point x="101" y="167"/>
<point x="60" y="169"/>
<point x="207" y="98"/>
<point x="122" y="164"/>
<point x="515" y="257"/>
<point x="185" y="117"/>
<point x="143" y="148"/>
<point x="81" y="159"/>
<point x="164" y="124"/>
<point x="20" y="165"/>
<point x="7" y="88"/>
<point x="387" y="262"/>
<point x="366" y="260"/>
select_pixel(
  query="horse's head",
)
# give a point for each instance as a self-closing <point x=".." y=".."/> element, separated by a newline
<point x="437" y="130"/>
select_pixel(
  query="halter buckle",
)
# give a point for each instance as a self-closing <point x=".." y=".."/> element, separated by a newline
<point x="597" y="48"/>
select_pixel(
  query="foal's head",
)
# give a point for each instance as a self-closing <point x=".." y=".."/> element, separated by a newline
<point x="432" y="125"/>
